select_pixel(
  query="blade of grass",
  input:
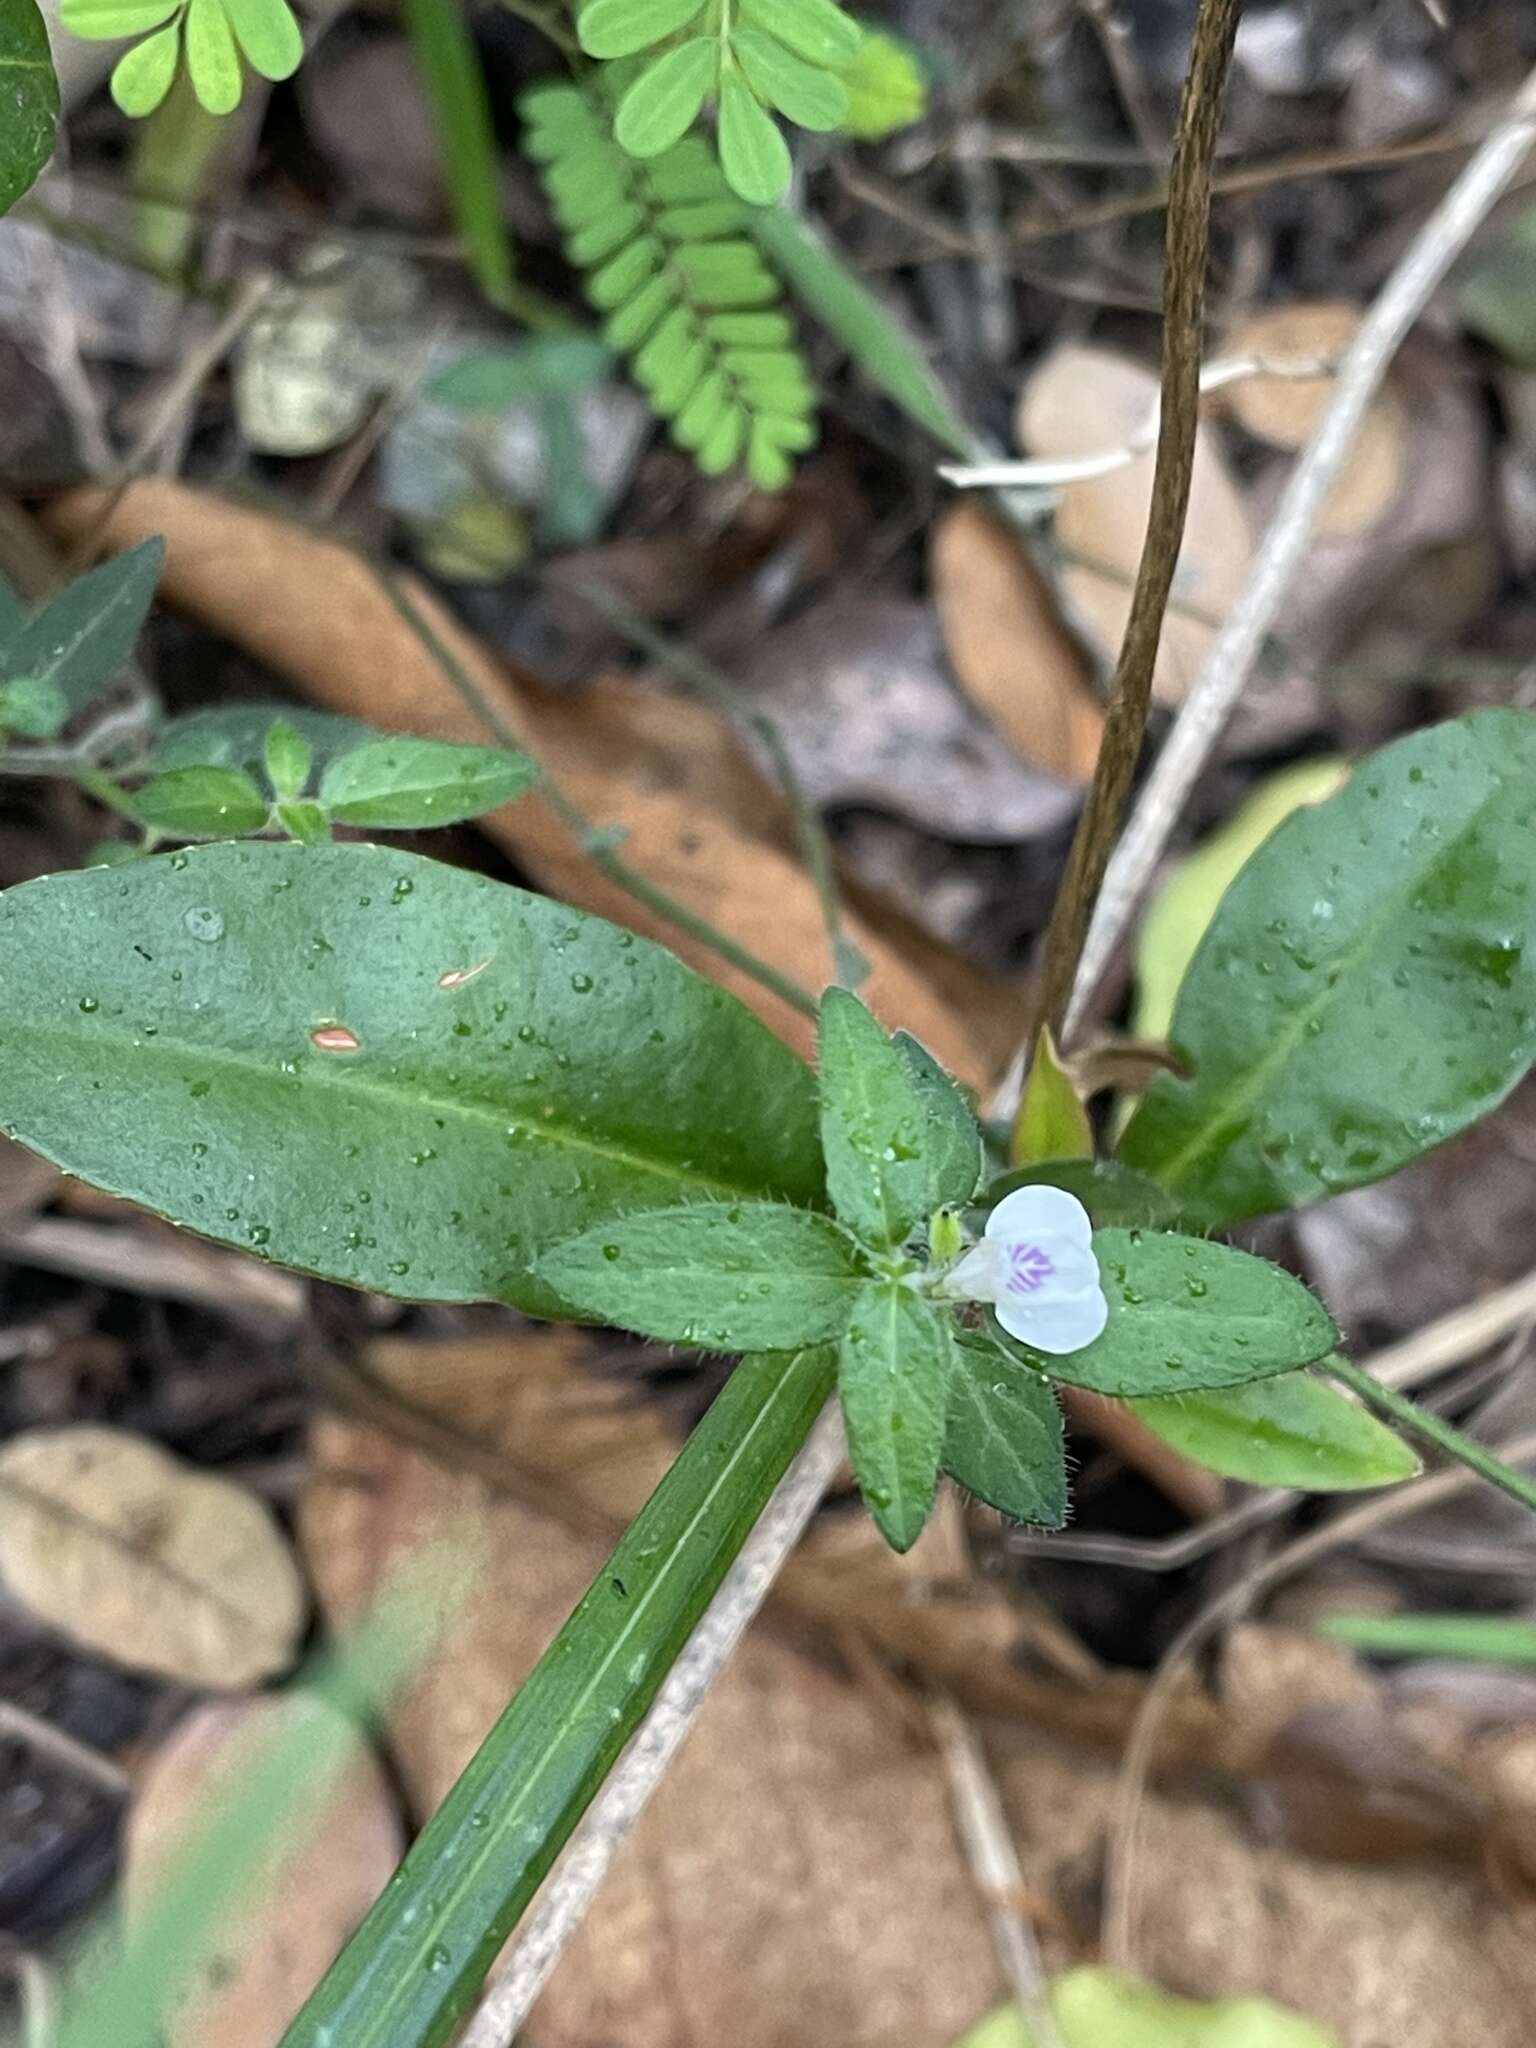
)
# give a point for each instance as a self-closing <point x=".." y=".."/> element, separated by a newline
<point x="409" y="1974"/>
<point x="455" y="82"/>
<point x="1473" y="1638"/>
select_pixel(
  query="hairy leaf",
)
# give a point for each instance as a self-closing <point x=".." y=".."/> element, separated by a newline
<point x="952" y="1140"/>
<point x="729" y="1276"/>
<point x="1003" y="1437"/>
<point x="1186" y="1313"/>
<point x="81" y="640"/>
<point x="874" y="1125"/>
<point x="893" y="1371"/>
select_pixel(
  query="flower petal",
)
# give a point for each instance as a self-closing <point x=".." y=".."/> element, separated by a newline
<point x="1075" y="1264"/>
<point x="1056" y="1323"/>
<point x="979" y="1275"/>
<point x="1039" y="1211"/>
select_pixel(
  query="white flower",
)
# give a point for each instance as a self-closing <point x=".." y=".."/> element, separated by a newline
<point x="1035" y="1264"/>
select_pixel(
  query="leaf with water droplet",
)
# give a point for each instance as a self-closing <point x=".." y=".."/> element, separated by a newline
<point x="1403" y="907"/>
<point x="400" y="785"/>
<point x="1003" y="1435"/>
<point x="594" y="1138"/>
<point x="1254" y="1319"/>
<point x="874" y="1125"/>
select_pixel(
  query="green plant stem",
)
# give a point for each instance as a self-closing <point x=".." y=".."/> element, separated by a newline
<point x="107" y="792"/>
<point x="593" y="843"/>
<point x="1408" y="1415"/>
<point x="409" y="1974"/>
<point x="706" y="681"/>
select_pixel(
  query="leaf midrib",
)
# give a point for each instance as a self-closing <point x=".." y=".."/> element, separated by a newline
<point x="352" y="1084"/>
<point x="1241" y="1097"/>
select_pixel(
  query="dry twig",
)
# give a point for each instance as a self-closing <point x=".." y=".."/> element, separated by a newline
<point x="1235" y="649"/>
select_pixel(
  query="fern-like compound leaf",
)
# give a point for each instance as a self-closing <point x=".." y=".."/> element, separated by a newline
<point x="685" y="293"/>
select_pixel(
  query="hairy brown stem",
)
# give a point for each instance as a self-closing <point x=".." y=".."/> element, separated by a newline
<point x="1184" y="267"/>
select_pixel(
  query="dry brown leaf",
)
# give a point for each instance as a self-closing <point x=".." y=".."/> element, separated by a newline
<point x="1007" y="645"/>
<point x="797" y="1879"/>
<point x="1284" y="411"/>
<point x="129" y="1551"/>
<point x="1081" y="401"/>
<point x="262" y="1965"/>
<point x="315" y="612"/>
<point x="26" y="1182"/>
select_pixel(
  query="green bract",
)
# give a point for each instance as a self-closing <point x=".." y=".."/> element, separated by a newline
<point x="1367" y="987"/>
<point x="380" y="1069"/>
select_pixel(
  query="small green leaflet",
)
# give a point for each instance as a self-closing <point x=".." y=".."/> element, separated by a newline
<point x="952" y="1143"/>
<point x="664" y="101"/>
<point x="201" y="803"/>
<point x="215" y="33"/>
<point x="399" y="785"/>
<point x="620" y="28"/>
<point x="728" y="1276"/>
<point x="893" y="1372"/>
<point x="30" y="96"/>
<point x="1097" y="2008"/>
<point x="238" y="736"/>
<point x="874" y="1126"/>
<point x="1003" y="1437"/>
<point x="80" y="640"/>
<point x="753" y="154"/>
<point x="1367" y="987"/>
<point x="1291" y="1431"/>
<point x="1186" y="1313"/>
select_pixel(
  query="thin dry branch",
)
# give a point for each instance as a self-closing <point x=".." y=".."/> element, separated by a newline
<point x="1232" y="654"/>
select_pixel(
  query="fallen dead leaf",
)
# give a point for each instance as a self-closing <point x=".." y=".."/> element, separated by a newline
<point x="1284" y="411"/>
<point x="130" y="1552"/>
<point x="858" y="688"/>
<point x="797" y="1877"/>
<point x="1081" y="401"/>
<point x="1006" y="643"/>
<point x="259" y="1968"/>
<point x="26" y="1182"/>
<point x="337" y="635"/>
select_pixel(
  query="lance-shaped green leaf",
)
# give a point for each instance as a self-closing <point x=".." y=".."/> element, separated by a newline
<point x="381" y="1069"/>
<point x="399" y="785"/>
<point x="1003" y="1437"/>
<point x="731" y="1276"/>
<point x="1367" y="987"/>
<point x="952" y="1140"/>
<point x="201" y="803"/>
<point x="29" y="95"/>
<point x="415" y="1965"/>
<point x="287" y="757"/>
<point x="874" y="1125"/>
<point x="893" y="1372"/>
<point x="1186" y="1313"/>
<point x="1288" y="1431"/>
<point x="81" y="640"/>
